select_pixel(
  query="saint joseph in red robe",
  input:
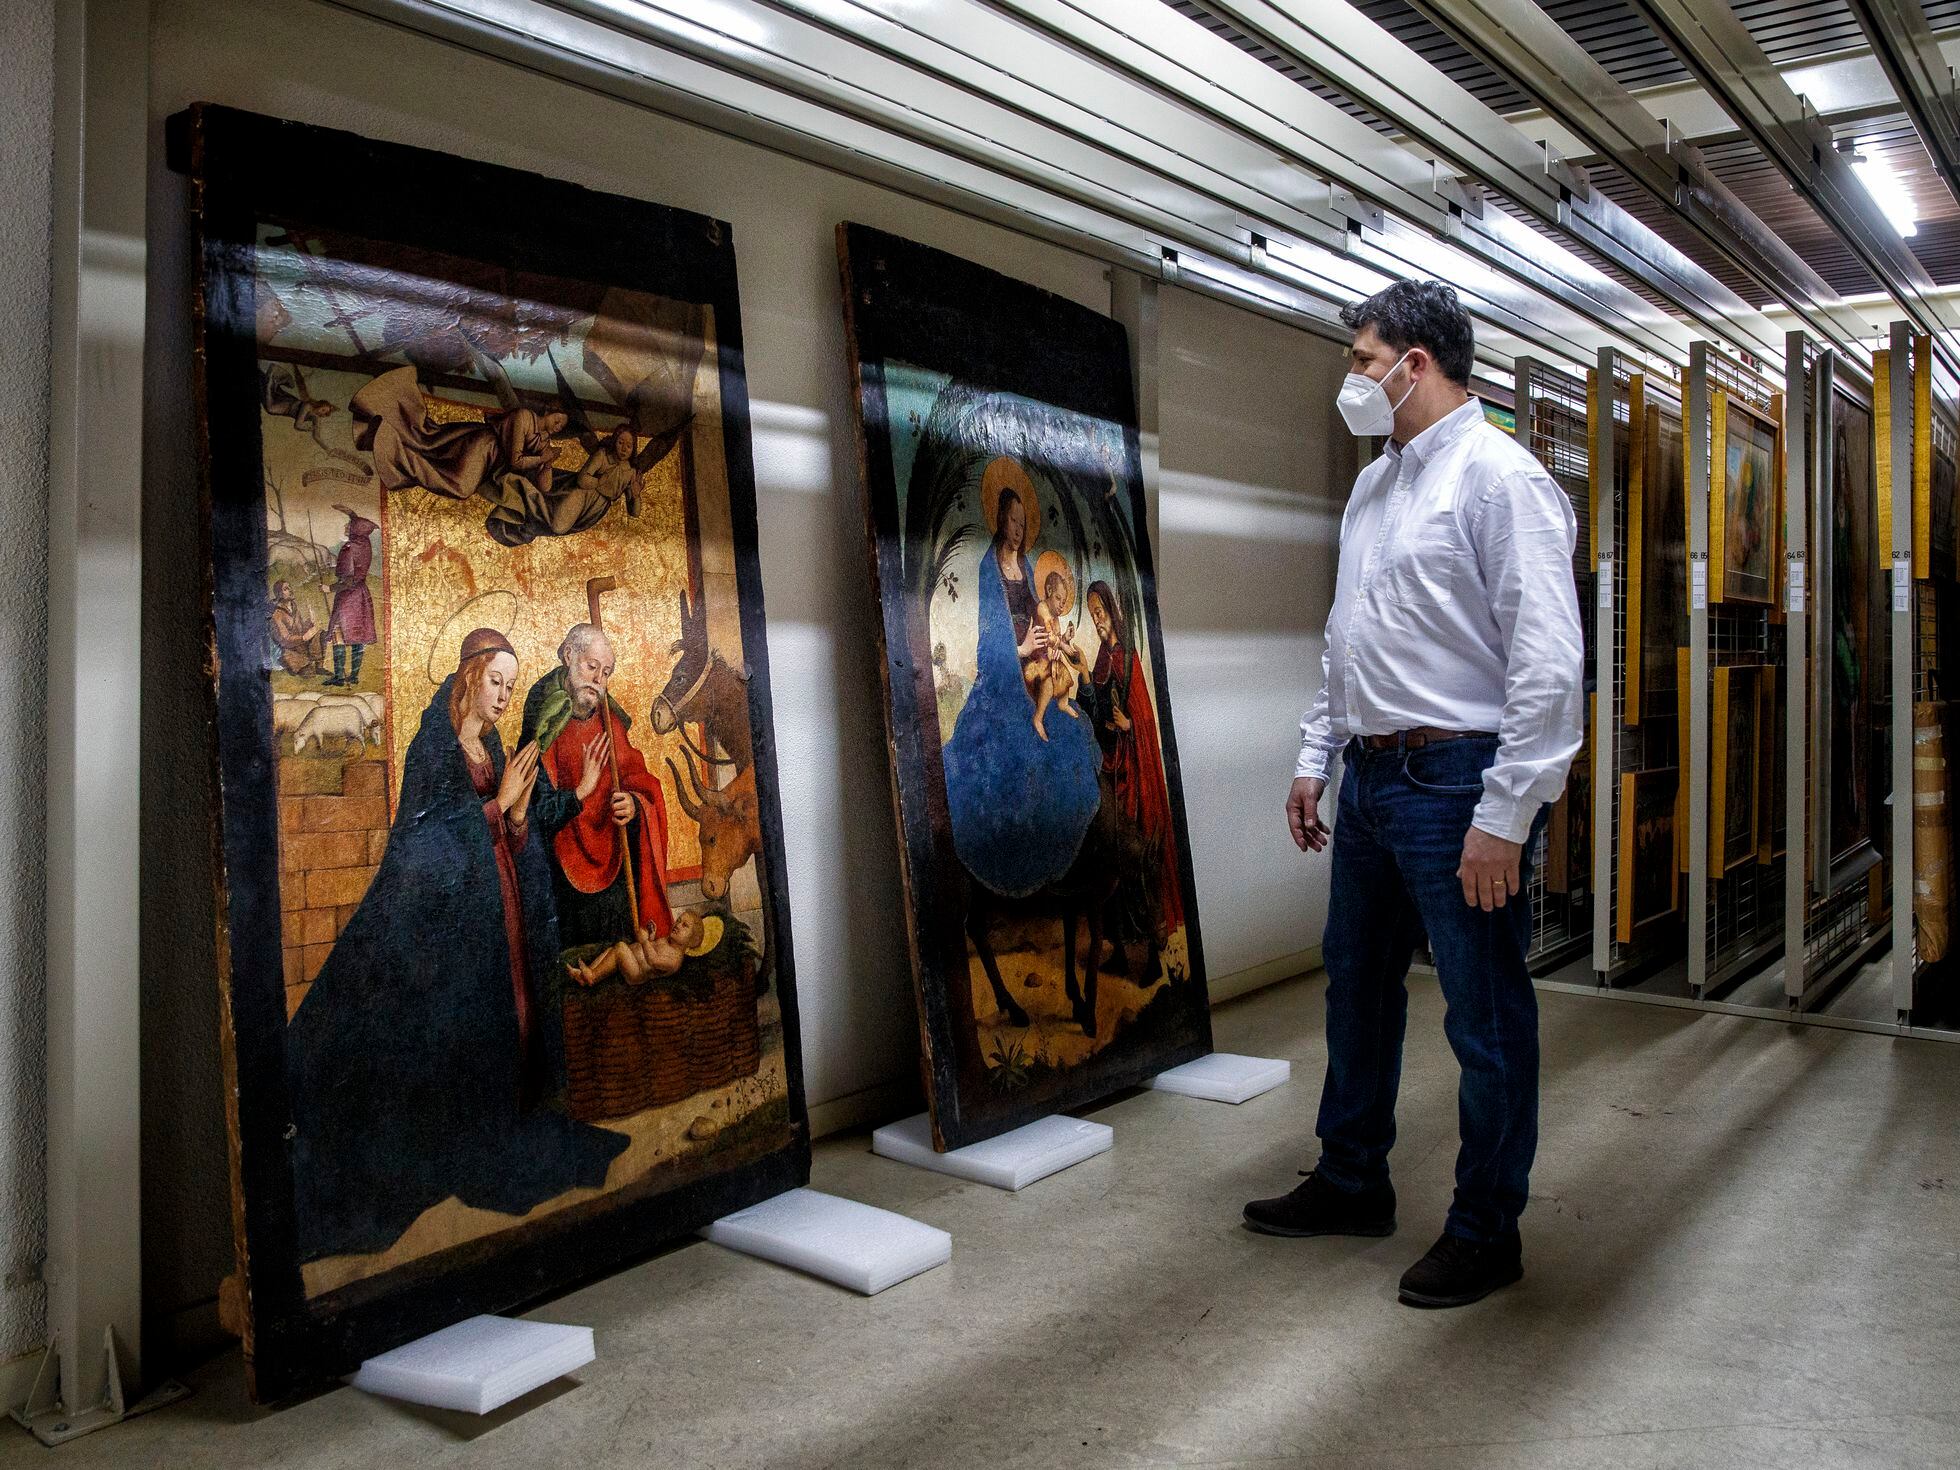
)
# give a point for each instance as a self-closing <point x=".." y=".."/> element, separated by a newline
<point x="583" y="833"/>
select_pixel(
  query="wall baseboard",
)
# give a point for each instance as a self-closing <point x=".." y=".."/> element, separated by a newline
<point x="1258" y="977"/>
<point x="867" y="1107"/>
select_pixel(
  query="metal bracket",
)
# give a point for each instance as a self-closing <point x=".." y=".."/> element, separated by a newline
<point x="45" y="1417"/>
<point x="1358" y="210"/>
<point x="1463" y="196"/>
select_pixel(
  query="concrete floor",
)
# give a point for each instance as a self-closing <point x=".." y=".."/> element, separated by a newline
<point x="1743" y="1249"/>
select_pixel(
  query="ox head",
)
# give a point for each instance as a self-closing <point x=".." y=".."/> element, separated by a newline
<point x="731" y="827"/>
<point x="690" y="652"/>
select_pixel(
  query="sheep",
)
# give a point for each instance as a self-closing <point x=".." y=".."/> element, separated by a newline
<point x="339" y="721"/>
<point x="369" y="706"/>
<point x="287" y="712"/>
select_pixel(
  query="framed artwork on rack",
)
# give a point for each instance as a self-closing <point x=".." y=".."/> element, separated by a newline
<point x="1047" y="868"/>
<point x="1773" y="817"/>
<point x="1852" y="629"/>
<point x="503" y="930"/>
<point x="1681" y="681"/>
<point x="1649" y="877"/>
<point x="1745" y="503"/>
<point x="1568" y="830"/>
<point x="1657" y="554"/>
<point x="1943" y="513"/>
<point x="1734" y="786"/>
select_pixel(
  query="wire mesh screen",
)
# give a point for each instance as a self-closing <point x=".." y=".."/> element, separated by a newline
<point x="1745" y="898"/>
<point x="1552" y="422"/>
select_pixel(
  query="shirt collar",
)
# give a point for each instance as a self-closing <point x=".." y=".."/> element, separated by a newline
<point x="1446" y="429"/>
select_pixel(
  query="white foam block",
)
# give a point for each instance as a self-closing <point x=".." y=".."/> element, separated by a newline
<point x="1010" y="1161"/>
<point x="855" y="1245"/>
<point x="477" y="1365"/>
<point x="1224" y="1076"/>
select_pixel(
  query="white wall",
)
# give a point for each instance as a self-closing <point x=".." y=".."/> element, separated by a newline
<point x="26" y="100"/>
<point x="1242" y="509"/>
<point x="1255" y="469"/>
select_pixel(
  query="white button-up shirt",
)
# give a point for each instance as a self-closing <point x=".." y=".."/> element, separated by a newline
<point x="1455" y="607"/>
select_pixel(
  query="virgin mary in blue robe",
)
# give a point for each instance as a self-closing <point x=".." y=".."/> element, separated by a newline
<point x="1019" y="805"/>
<point x="418" y="1058"/>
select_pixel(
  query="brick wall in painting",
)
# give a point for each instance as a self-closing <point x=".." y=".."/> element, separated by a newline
<point x="333" y="827"/>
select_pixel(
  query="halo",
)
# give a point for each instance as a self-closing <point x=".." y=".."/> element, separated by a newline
<point x="461" y="621"/>
<point x="1005" y="473"/>
<point x="711" y="932"/>
<point x="1053" y="561"/>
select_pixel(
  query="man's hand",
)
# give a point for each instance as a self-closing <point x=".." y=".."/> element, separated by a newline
<point x="594" y="766"/>
<point x="623" y="810"/>
<point x="1303" y="813"/>
<point x="1489" y="870"/>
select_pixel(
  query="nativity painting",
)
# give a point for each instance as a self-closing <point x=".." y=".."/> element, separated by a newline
<point x="489" y="625"/>
<point x="1048" y="872"/>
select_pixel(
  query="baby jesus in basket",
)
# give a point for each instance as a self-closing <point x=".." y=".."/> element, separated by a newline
<point x="646" y="958"/>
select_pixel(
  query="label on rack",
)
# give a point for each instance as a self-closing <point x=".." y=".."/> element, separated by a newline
<point x="1698" y="585"/>
<point x="1901" y="584"/>
<point x="1606" y="584"/>
<point x="1797" y="599"/>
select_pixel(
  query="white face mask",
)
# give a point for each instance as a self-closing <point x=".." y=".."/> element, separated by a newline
<point x="1364" y="404"/>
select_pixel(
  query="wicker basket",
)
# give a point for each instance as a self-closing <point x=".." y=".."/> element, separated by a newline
<point x="632" y="1047"/>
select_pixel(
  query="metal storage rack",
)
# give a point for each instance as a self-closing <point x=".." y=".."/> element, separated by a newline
<point x="1551" y="407"/>
<point x="1735" y="919"/>
<point x="1620" y="384"/>
<point x="1829" y="929"/>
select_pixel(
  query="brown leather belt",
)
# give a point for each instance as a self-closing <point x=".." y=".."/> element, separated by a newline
<point x="1417" y="738"/>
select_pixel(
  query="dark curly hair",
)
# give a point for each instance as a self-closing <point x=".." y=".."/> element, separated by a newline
<point x="1423" y="314"/>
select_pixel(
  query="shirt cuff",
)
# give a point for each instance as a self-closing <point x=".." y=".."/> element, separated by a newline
<point x="1313" y="763"/>
<point x="1503" y="817"/>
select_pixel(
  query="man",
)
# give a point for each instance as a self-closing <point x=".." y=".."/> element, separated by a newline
<point x="301" y="646"/>
<point x="351" y="622"/>
<point x="1452" y="687"/>
<point x="590" y="823"/>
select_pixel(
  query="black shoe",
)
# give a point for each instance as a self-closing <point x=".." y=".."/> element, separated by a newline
<point x="1318" y="1208"/>
<point x="1457" y="1272"/>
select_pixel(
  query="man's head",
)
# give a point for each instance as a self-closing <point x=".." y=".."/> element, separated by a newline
<point x="282" y="593"/>
<point x="1415" y="339"/>
<point x="622" y="442"/>
<point x="587" y="655"/>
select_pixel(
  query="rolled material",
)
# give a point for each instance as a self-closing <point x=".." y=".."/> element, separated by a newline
<point x="1932" y="833"/>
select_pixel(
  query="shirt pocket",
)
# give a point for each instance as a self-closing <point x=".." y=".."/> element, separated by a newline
<point x="1427" y="564"/>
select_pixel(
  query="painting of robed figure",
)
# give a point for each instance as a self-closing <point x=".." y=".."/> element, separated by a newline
<point x="1047" y="865"/>
<point x="505" y="952"/>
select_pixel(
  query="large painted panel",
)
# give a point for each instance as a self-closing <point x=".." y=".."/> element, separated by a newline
<point x="1047" y="867"/>
<point x="504" y="937"/>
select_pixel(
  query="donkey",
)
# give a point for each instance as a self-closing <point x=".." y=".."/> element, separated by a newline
<point x="1111" y="852"/>
<point x="705" y="689"/>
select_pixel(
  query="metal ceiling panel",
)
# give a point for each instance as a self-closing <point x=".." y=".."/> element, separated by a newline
<point x="1790" y="32"/>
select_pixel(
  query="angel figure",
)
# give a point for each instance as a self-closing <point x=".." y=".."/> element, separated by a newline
<point x="510" y="459"/>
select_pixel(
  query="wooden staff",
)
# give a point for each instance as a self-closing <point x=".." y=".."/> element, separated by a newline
<point x="594" y="588"/>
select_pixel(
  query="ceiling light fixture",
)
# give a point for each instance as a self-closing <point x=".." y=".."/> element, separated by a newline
<point x="1888" y="192"/>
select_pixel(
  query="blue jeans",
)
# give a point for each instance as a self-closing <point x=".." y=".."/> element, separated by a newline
<point x="1398" y="840"/>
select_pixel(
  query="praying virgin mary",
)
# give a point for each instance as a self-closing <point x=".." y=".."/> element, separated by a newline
<point x="420" y="1059"/>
